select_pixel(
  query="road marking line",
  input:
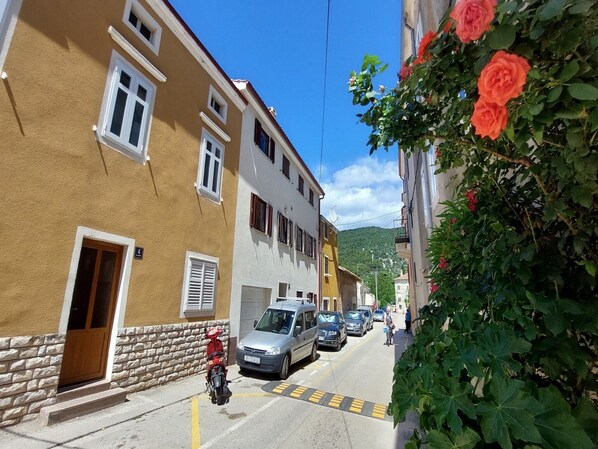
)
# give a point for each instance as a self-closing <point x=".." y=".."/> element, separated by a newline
<point x="313" y="372"/>
<point x="281" y="388"/>
<point x="298" y="392"/>
<point x="195" y="441"/>
<point x="240" y="423"/>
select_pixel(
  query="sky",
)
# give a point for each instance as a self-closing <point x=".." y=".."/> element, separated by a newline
<point x="280" y="47"/>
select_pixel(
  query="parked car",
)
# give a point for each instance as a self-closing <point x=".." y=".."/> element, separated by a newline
<point x="332" y="329"/>
<point x="379" y="315"/>
<point x="357" y="323"/>
<point x="367" y="311"/>
<point x="286" y="333"/>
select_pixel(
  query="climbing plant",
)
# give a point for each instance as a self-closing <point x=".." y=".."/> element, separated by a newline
<point x="506" y="354"/>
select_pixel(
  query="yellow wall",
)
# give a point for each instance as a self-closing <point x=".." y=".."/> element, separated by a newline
<point x="330" y="284"/>
<point x="55" y="176"/>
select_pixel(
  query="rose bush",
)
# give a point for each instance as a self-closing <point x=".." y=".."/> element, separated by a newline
<point x="506" y="352"/>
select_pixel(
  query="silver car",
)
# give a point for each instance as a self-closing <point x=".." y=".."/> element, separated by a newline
<point x="356" y="323"/>
<point x="286" y="333"/>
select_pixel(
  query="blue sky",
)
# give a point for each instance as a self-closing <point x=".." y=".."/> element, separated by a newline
<point x="280" y="47"/>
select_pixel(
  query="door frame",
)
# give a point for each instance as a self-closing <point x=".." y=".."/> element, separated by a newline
<point x="124" y="277"/>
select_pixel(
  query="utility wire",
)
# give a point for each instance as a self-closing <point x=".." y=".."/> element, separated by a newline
<point x="324" y="94"/>
<point x="368" y="219"/>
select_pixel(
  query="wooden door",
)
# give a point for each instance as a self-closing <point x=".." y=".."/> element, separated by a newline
<point x="92" y="313"/>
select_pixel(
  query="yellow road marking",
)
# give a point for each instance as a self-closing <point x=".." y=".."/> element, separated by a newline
<point x="356" y="406"/>
<point x="336" y="400"/>
<point x="298" y="392"/>
<point x="379" y="411"/>
<point x="281" y="388"/>
<point x="316" y="396"/>
<point x="195" y="441"/>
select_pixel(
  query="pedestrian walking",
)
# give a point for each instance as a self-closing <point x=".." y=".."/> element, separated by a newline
<point x="408" y="321"/>
<point x="390" y="327"/>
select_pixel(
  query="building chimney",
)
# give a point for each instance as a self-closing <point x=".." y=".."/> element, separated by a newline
<point x="272" y="111"/>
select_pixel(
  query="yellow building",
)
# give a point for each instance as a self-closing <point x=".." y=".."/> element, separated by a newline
<point x="119" y="156"/>
<point x="330" y="291"/>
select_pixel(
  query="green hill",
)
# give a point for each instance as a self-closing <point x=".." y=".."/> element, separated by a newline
<point x="367" y="250"/>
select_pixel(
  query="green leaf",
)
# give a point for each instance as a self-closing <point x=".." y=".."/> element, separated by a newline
<point x="556" y="425"/>
<point x="497" y="226"/>
<point x="502" y="37"/>
<point x="509" y="414"/>
<point x="446" y="404"/>
<point x="582" y="91"/>
<point x="554" y="94"/>
<point x="594" y="119"/>
<point x="551" y="9"/>
<point x="580" y="7"/>
<point x="574" y="138"/>
<point x="536" y="108"/>
<point x="582" y="195"/>
<point x="590" y="268"/>
<point x="569" y="71"/>
<point x="587" y="416"/>
<point x="439" y="440"/>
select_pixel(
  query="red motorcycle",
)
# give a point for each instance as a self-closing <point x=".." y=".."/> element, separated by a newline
<point x="216" y="382"/>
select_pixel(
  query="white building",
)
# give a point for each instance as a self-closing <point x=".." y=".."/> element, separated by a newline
<point x="401" y="297"/>
<point x="278" y="214"/>
<point x="423" y="191"/>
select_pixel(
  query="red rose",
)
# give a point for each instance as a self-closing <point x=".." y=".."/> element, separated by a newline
<point x="489" y="119"/>
<point x="471" y="199"/>
<point x="405" y="71"/>
<point x="503" y="77"/>
<point x="422" y="51"/>
<point x="442" y="263"/>
<point x="473" y="18"/>
<point x="433" y="288"/>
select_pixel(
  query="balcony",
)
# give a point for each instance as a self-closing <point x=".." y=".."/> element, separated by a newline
<point x="402" y="238"/>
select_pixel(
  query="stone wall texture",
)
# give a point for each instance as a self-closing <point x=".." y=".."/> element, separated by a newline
<point x="145" y="357"/>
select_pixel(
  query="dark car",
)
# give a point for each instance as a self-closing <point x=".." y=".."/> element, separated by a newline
<point x="357" y="323"/>
<point x="379" y="315"/>
<point x="332" y="329"/>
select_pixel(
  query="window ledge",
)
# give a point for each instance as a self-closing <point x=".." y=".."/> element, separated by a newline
<point x="135" y="54"/>
<point x="208" y="121"/>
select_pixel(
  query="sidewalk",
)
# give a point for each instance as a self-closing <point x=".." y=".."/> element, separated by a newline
<point x="33" y="435"/>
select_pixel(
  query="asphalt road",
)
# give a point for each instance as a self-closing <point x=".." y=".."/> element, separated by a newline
<point x="336" y="402"/>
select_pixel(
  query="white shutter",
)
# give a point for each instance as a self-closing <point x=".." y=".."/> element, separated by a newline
<point x="209" y="286"/>
<point x="196" y="274"/>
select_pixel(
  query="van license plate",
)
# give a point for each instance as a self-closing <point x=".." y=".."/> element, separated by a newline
<point x="320" y="338"/>
<point x="251" y="359"/>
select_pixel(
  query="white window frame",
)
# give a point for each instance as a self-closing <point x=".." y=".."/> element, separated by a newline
<point x="9" y="12"/>
<point x="326" y="266"/>
<point x="147" y="20"/>
<point x="201" y="189"/>
<point x="432" y="182"/>
<point x="121" y="143"/>
<point x="215" y="95"/>
<point x="193" y="262"/>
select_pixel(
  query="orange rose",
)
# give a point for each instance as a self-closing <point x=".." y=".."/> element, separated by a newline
<point x="503" y="77"/>
<point x="489" y="119"/>
<point x="405" y="71"/>
<point x="473" y="18"/>
<point x="422" y="51"/>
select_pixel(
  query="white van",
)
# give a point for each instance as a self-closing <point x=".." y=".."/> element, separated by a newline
<point x="286" y="333"/>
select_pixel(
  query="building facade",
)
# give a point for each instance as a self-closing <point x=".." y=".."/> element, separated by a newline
<point x="329" y="278"/>
<point x="423" y="190"/>
<point x="277" y="219"/>
<point x="119" y="166"/>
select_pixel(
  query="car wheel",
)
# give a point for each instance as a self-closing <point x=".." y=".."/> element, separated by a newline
<point x="284" y="370"/>
<point x="314" y="353"/>
<point x="361" y="332"/>
<point x="339" y="343"/>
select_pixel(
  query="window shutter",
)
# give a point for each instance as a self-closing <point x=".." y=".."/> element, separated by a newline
<point x="195" y="283"/>
<point x="290" y="233"/>
<point x="256" y="131"/>
<point x="209" y="286"/>
<point x="272" y="149"/>
<point x="252" y="211"/>
<point x="270" y="212"/>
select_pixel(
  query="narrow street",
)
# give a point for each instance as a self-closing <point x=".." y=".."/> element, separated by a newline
<point x="257" y="417"/>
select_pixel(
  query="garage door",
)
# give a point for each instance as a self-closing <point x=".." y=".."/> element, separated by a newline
<point x="254" y="301"/>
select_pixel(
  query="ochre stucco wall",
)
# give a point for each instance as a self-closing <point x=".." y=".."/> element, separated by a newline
<point x="55" y="176"/>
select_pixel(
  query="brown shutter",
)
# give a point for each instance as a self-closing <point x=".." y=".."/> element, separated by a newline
<point x="256" y="131"/>
<point x="272" y="149"/>
<point x="270" y="212"/>
<point x="252" y="211"/>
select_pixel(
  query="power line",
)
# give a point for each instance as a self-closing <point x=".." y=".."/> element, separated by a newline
<point x="369" y="219"/>
<point x="324" y="93"/>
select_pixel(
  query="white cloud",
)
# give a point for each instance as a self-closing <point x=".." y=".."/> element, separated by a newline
<point x="366" y="193"/>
